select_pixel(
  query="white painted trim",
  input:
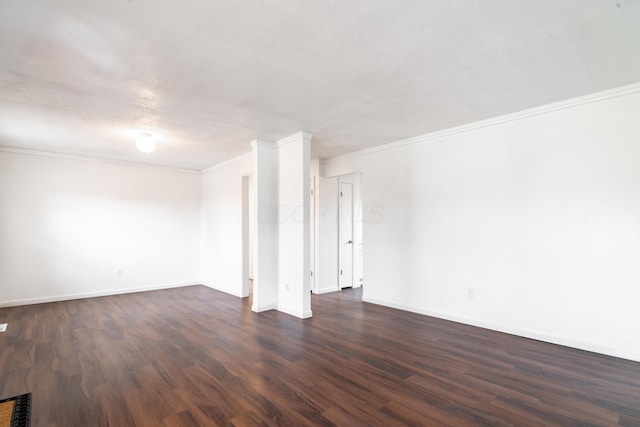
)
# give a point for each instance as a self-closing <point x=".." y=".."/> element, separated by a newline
<point x="295" y="313"/>
<point x="536" y="111"/>
<point x="227" y="162"/>
<point x="580" y="345"/>
<point x="262" y="308"/>
<point x="326" y="290"/>
<point x="63" y="156"/>
<point x="293" y="138"/>
<point x="260" y="143"/>
<point x="67" y="297"/>
<point x="268" y="144"/>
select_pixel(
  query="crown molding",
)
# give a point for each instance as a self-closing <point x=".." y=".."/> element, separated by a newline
<point x="294" y="138"/>
<point x="262" y="143"/>
<point x="227" y="162"/>
<point x="536" y="111"/>
<point x="63" y="156"/>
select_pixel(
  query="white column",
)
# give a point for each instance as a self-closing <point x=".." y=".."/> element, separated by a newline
<point x="294" y="293"/>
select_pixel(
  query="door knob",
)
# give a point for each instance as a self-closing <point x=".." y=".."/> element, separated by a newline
<point x="350" y="242"/>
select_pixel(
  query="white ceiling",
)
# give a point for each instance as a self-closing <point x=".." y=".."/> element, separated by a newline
<point x="206" y="77"/>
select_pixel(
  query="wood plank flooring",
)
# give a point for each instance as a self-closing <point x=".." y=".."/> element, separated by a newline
<point x="197" y="357"/>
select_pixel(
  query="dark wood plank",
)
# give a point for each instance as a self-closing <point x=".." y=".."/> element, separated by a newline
<point x="197" y="357"/>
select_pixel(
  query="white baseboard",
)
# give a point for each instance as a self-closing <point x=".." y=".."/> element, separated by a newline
<point x="595" y="348"/>
<point x="296" y="313"/>
<point x="326" y="290"/>
<point x="267" y="307"/>
<point x="68" y="297"/>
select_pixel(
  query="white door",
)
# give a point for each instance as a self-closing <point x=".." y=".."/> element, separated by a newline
<point x="345" y="234"/>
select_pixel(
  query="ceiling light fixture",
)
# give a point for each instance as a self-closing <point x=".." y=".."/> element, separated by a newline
<point x="145" y="143"/>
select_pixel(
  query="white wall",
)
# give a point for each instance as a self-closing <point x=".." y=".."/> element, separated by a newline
<point x="538" y="214"/>
<point x="67" y="226"/>
<point x="221" y="255"/>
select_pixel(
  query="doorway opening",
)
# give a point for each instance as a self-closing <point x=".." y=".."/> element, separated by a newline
<point x="337" y="231"/>
<point x="247" y="238"/>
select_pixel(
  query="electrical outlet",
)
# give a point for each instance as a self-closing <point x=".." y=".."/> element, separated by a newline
<point x="3" y="327"/>
<point x="471" y="293"/>
<point x="286" y="286"/>
<point x="121" y="272"/>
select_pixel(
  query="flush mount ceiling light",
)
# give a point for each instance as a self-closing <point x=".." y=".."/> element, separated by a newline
<point x="145" y="143"/>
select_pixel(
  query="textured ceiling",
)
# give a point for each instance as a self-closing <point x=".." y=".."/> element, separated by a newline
<point x="206" y="77"/>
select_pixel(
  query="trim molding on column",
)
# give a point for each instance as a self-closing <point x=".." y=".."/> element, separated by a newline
<point x="263" y="144"/>
<point x="294" y="138"/>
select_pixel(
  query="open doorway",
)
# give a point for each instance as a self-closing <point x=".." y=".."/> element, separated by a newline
<point x="350" y="231"/>
<point x="313" y="227"/>
<point x="338" y="233"/>
<point x="247" y="238"/>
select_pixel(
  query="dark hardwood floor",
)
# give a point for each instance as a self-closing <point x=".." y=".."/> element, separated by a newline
<point x="196" y="357"/>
